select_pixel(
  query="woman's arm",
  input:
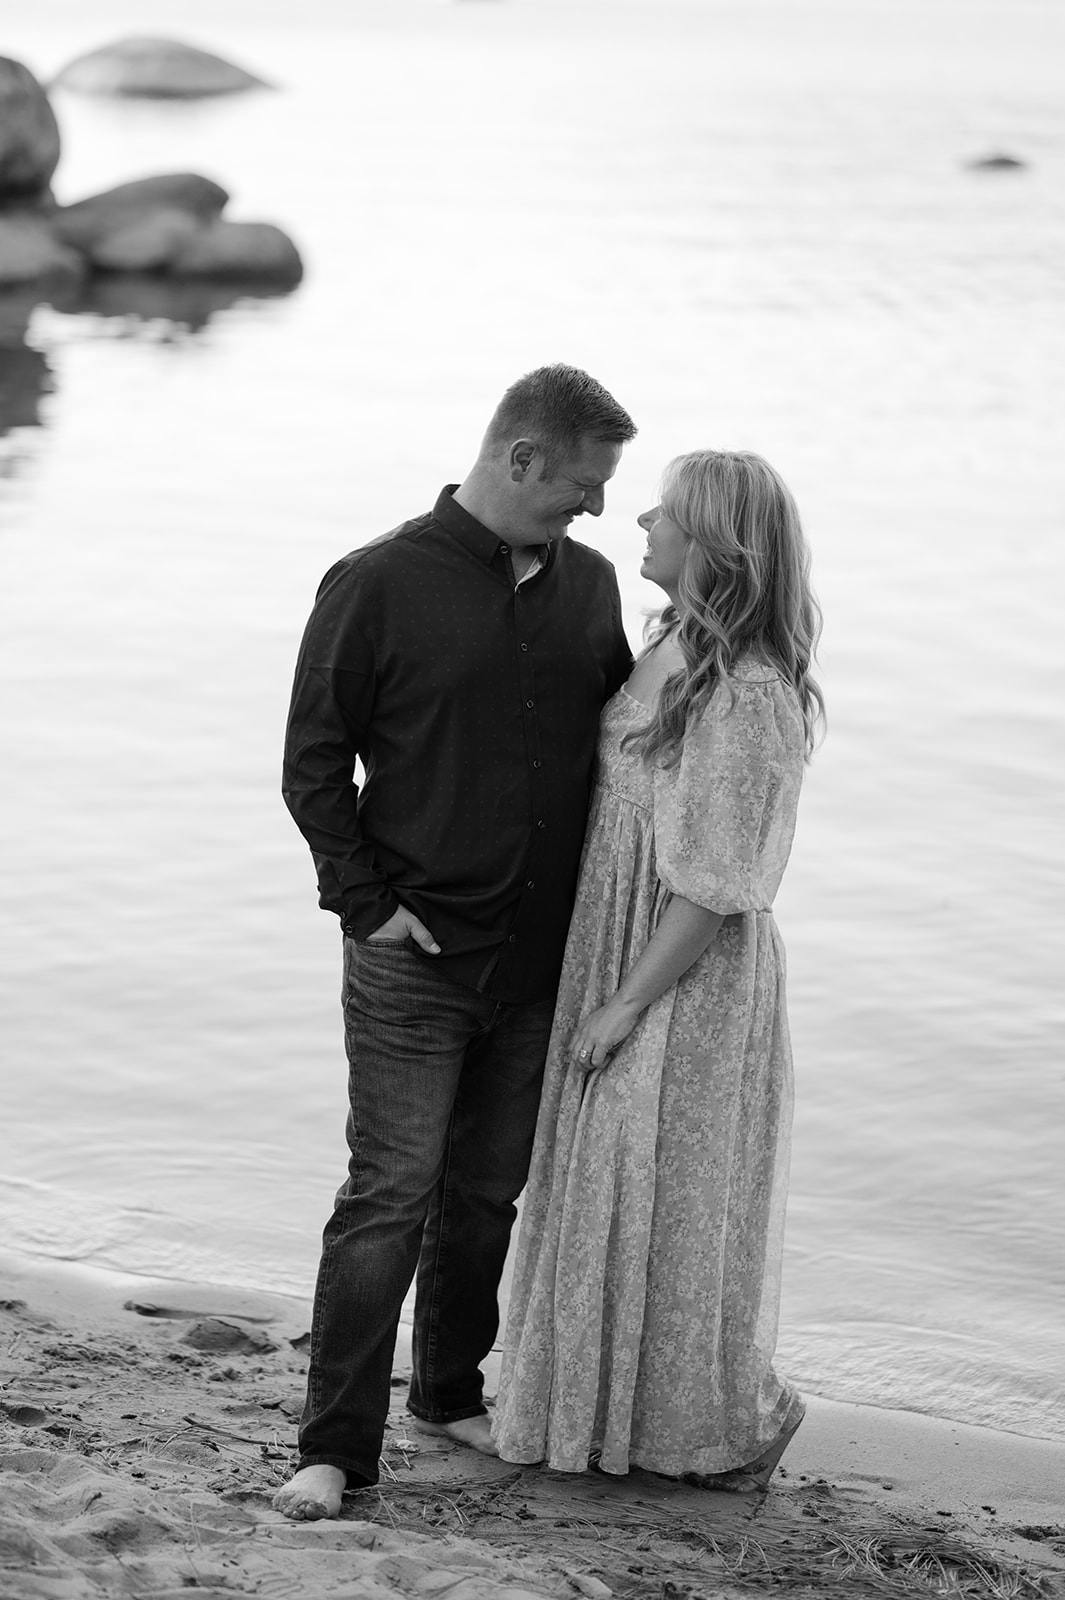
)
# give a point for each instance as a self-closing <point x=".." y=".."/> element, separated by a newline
<point x="684" y="932"/>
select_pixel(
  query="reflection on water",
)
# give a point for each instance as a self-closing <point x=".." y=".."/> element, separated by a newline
<point x="140" y="301"/>
<point x="141" y="298"/>
<point x="25" y="374"/>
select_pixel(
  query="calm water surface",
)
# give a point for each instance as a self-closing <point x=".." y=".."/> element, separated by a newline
<point x="766" y="245"/>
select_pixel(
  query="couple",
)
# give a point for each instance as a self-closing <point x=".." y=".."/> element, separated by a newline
<point x="474" y="660"/>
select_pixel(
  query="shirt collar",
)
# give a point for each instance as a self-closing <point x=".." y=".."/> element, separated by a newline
<point x="478" y="539"/>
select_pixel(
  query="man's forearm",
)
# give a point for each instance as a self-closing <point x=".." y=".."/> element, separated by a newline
<point x="322" y="738"/>
<point x="350" y="881"/>
<point x="322" y="800"/>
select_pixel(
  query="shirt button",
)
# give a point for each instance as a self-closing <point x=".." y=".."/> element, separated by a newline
<point x="512" y="938"/>
<point x="541" y="823"/>
<point x="538" y="764"/>
<point x="530" y="884"/>
<point x="504" y="549"/>
<point x="525" y="647"/>
<point x="530" y="704"/>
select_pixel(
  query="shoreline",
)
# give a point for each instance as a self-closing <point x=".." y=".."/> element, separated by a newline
<point x="145" y="1423"/>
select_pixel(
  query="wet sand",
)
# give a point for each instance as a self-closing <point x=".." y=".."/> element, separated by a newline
<point x="144" y="1427"/>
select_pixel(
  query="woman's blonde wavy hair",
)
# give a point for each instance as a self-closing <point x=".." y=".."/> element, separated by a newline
<point x="744" y="590"/>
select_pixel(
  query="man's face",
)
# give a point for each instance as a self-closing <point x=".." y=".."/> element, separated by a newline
<point x="547" y="505"/>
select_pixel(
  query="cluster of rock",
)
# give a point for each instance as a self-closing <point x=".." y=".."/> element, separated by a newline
<point x="168" y="225"/>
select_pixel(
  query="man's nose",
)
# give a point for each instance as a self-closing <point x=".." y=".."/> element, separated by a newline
<point x="594" y="501"/>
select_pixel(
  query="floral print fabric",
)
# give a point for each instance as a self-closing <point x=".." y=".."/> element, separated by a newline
<point x="643" y="1315"/>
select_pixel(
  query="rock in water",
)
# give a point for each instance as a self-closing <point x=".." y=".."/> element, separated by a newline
<point x="239" y="250"/>
<point x="156" y="68"/>
<point x="147" y="244"/>
<point x="999" y="162"/>
<point x="87" y="224"/>
<point x="173" y="224"/>
<point x="29" y="134"/>
<point x="29" y="251"/>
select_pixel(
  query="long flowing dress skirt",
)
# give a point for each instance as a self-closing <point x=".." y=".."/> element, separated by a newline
<point x="643" y="1315"/>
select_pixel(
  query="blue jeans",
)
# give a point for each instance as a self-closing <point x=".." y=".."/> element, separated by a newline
<point x="444" y="1086"/>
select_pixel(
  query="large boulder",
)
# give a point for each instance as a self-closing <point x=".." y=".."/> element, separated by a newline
<point x="30" y="251"/>
<point x="239" y="250"/>
<point x="157" y="68"/>
<point x="147" y="244"/>
<point x="87" y="224"/>
<point x="29" y="133"/>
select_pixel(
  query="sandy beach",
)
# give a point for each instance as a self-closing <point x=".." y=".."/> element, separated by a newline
<point x="146" y="1424"/>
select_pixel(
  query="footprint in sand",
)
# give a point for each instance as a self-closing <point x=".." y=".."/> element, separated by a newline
<point x="23" y="1411"/>
<point x="218" y="1329"/>
<point x="176" y="1313"/>
<point x="215" y="1333"/>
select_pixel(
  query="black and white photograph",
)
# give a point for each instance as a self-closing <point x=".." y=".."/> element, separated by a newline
<point x="532" y="700"/>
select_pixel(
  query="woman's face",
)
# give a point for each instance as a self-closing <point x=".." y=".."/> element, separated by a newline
<point x="666" y="545"/>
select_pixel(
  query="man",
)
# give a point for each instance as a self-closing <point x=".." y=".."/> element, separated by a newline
<point x="464" y="657"/>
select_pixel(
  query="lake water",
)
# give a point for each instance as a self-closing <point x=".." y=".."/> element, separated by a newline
<point x="756" y="225"/>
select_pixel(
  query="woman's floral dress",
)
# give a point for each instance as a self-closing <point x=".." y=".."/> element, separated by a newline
<point x="643" y="1316"/>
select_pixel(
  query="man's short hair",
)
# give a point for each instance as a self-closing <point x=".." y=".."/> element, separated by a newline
<point x="557" y="407"/>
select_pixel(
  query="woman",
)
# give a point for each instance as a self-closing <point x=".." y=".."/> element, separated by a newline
<point x="643" y="1315"/>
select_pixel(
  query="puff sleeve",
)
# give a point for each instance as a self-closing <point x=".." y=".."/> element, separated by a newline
<point x="724" y="815"/>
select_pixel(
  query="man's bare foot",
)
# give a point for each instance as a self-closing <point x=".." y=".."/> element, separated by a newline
<point x="313" y="1493"/>
<point x="474" y="1431"/>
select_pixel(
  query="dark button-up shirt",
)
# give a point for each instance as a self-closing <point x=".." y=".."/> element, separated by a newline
<point x="473" y="705"/>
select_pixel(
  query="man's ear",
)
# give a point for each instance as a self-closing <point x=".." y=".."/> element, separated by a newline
<point x="522" y="455"/>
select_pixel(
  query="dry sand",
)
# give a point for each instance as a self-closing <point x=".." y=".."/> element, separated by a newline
<point x="145" y="1425"/>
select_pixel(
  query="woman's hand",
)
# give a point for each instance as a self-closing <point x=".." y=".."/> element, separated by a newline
<point x="599" y="1035"/>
